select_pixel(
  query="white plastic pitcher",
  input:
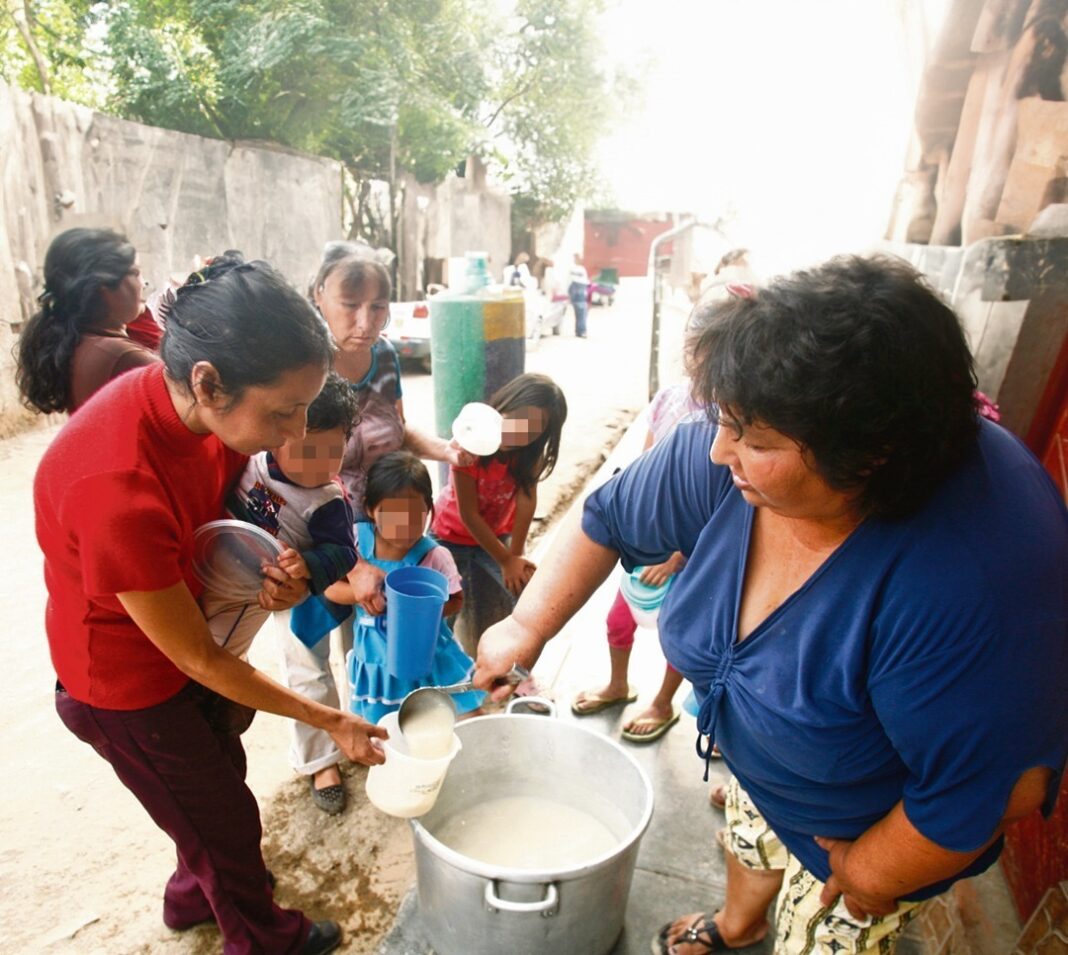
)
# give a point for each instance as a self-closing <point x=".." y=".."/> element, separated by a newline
<point x="478" y="428"/>
<point x="404" y="786"/>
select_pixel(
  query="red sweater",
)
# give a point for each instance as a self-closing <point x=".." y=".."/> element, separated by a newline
<point x="117" y="497"/>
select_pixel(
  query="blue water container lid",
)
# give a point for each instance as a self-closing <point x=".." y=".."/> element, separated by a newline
<point x="640" y="595"/>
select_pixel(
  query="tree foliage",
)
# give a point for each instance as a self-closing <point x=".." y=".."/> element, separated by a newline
<point x="48" y="46"/>
<point x="382" y="85"/>
<point x="553" y="103"/>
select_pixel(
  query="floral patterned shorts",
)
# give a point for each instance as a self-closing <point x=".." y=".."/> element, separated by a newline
<point x="803" y="925"/>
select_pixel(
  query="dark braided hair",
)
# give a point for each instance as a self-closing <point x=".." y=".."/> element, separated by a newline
<point x="245" y="320"/>
<point x="78" y="264"/>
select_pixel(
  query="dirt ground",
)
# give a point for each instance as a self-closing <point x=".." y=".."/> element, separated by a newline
<point x="82" y="868"/>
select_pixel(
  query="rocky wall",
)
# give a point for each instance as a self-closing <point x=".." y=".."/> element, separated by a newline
<point x="990" y="148"/>
<point x="173" y="194"/>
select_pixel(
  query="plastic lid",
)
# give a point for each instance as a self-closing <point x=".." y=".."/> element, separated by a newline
<point x="228" y="555"/>
<point x="477" y="429"/>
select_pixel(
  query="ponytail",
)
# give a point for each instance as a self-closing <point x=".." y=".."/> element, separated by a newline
<point x="79" y="262"/>
<point x="246" y="321"/>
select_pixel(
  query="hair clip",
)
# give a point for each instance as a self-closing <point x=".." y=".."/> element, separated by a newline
<point x="741" y="290"/>
<point x="195" y="280"/>
<point x="45" y="298"/>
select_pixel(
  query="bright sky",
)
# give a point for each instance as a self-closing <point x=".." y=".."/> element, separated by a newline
<point x="795" y="115"/>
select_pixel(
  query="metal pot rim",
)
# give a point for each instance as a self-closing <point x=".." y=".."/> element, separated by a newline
<point x="501" y="873"/>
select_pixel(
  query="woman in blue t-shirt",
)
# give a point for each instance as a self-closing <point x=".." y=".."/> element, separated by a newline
<point x="873" y="610"/>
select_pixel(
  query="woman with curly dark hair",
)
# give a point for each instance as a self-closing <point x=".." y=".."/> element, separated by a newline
<point x="872" y="613"/>
<point x="77" y="342"/>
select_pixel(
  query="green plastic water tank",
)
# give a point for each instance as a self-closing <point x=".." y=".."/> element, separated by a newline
<point x="457" y="356"/>
<point x="477" y="344"/>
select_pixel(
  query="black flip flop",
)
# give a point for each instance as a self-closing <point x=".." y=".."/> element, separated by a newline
<point x="702" y="931"/>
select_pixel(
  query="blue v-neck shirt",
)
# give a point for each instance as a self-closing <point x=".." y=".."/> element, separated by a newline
<point x="925" y="660"/>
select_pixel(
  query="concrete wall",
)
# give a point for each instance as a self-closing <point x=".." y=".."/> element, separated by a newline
<point x="622" y="244"/>
<point x="174" y="195"/>
<point x="461" y="214"/>
<point x="468" y="215"/>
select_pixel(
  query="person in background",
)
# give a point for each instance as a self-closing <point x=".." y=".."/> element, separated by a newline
<point x="118" y="496"/>
<point x="732" y="269"/>
<point x="670" y="405"/>
<point x="577" y="289"/>
<point x="76" y="342"/>
<point x="145" y="330"/>
<point x="484" y="514"/>
<point x="352" y="293"/>
<point x="873" y="610"/>
<point x="518" y="274"/>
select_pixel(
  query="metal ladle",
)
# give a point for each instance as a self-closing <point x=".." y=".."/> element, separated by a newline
<point x="427" y="698"/>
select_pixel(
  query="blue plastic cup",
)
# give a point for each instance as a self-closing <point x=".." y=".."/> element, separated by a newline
<point x="415" y="597"/>
<point x="644" y="601"/>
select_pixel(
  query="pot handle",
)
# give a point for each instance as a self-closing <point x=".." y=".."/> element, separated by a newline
<point x="546" y="906"/>
<point x="539" y="705"/>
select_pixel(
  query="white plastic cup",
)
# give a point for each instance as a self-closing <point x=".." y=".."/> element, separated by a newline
<point x="404" y="786"/>
<point x="478" y="429"/>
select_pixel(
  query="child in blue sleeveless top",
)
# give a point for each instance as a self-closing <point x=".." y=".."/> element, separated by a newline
<point x="399" y="500"/>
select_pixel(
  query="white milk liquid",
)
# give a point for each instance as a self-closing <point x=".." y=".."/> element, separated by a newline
<point x="527" y="832"/>
<point x="429" y="734"/>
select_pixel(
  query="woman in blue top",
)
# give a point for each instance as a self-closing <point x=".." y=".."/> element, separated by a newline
<point x="873" y="610"/>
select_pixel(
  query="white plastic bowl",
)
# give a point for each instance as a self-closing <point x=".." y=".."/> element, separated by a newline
<point x="478" y="429"/>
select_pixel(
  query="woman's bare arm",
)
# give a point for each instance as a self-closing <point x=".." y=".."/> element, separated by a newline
<point x="172" y="620"/>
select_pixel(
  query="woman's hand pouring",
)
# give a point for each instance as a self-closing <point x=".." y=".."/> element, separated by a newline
<point x="503" y="645"/>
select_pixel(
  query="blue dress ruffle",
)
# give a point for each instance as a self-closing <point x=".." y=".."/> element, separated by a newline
<point x="374" y="690"/>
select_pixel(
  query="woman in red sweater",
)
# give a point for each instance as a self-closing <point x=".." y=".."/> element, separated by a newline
<point x="117" y="498"/>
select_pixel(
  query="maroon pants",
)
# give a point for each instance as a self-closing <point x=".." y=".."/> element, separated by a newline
<point x="184" y="761"/>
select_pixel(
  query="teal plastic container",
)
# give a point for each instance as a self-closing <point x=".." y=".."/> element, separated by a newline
<point x="643" y="600"/>
<point x="458" y="356"/>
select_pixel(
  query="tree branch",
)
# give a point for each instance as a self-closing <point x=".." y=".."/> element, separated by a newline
<point x="509" y="99"/>
<point x="22" y="14"/>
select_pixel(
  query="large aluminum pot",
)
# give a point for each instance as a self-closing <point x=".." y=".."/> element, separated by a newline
<point x="469" y="907"/>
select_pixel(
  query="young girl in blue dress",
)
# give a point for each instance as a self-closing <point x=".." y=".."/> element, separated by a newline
<point x="399" y="500"/>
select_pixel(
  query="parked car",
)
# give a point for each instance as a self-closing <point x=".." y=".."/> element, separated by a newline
<point x="409" y="332"/>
